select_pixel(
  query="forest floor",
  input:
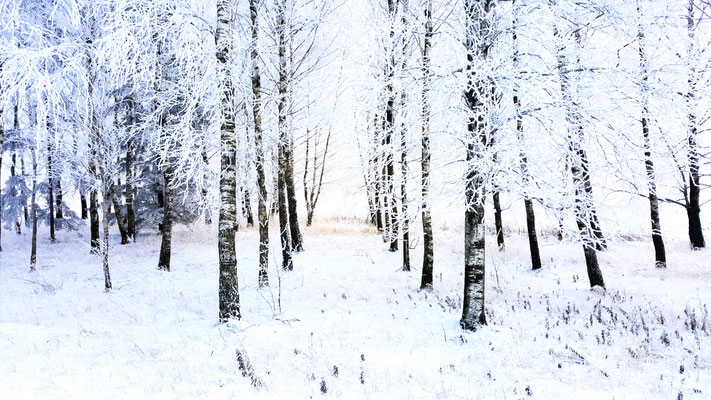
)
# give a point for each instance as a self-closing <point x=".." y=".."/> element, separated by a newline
<point x="349" y="323"/>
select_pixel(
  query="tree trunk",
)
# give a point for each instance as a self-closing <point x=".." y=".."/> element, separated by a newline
<point x="13" y="167"/>
<point x="16" y="125"/>
<point x="119" y="216"/>
<point x="262" y="215"/>
<point x="584" y="213"/>
<point x="33" y="253"/>
<point x="129" y="190"/>
<point x="389" y="132"/>
<point x="94" y="221"/>
<point x="287" y="262"/>
<point x="105" y="223"/>
<point x="59" y="197"/>
<point x="167" y="225"/>
<point x="378" y="179"/>
<point x="428" y="239"/>
<point x="405" y="223"/>
<point x="205" y="194"/>
<point x="84" y="206"/>
<point x="532" y="236"/>
<point x="228" y="283"/>
<point x="404" y="202"/>
<point x="479" y="39"/>
<point x="498" y="222"/>
<point x="275" y="182"/>
<point x="93" y="157"/>
<point x="297" y="242"/>
<point x="284" y="228"/>
<point x="25" y="211"/>
<point x="311" y="196"/>
<point x="657" y="239"/>
<point x="306" y="175"/>
<point x="247" y="207"/>
<point x="693" y="207"/>
<point x="528" y="203"/>
<point x="50" y="178"/>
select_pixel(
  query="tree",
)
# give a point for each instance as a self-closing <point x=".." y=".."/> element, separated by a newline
<point x="585" y="216"/>
<point x="528" y="202"/>
<point x="405" y="219"/>
<point x="389" y="131"/>
<point x="692" y="197"/>
<point x="283" y="144"/>
<point x="659" y="251"/>
<point x="262" y="215"/>
<point x="228" y="283"/>
<point x="426" y="162"/>
<point x="33" y="251"/>
<point x="312" y="187"/>
<point x="478" y="38"/>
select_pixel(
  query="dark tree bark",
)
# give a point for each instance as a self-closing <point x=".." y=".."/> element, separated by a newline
<point x="693" y="205"/>
<point x="84" y="206"/>
<point x="262" y="215"/>
<point x="94" y="220"/>
<point x="60" y="196"/>
<point x="105" y="223"/>
<point x="93" y="156"/>
<point x="528" y="203"/>
<point x="657" y="239"/>
<point x="16" y="125"/>
<point x="284" y="232"/>
<point x="306" y="178"/>
<point x="428" y="239"/>
<point x="478" y="41"/>
<point x="167" y="225"/>
<point x="129" y="189"/>
<point x="297" y="241"/>
<point x="405" y="223"/>
<point x="13" y="167"/>
<point x="160" y="194"/>
<point x="33" y="252"/>
<point x="578" y="164"/>
<point x="50" y="178"/>
<point x="25" y="210"/>
<point x="378" y="178"/>
<point x="284" y="228"/>
<point x="119" y="216"/>
<point x="247" y="207"/>
<point x="392" y="222"/>
<point x="498" y="221"/>
<point x="228" y="284"/>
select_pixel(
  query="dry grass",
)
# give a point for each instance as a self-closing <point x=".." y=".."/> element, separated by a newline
<point x="339" y="226"/>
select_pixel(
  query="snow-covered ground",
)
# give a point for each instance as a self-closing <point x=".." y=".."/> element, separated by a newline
<point x="350" y="323"/>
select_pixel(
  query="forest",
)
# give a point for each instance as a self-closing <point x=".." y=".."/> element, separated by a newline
<point x="447" y="199"/>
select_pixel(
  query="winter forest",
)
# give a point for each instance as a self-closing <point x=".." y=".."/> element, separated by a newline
<point x="402" y="199"/>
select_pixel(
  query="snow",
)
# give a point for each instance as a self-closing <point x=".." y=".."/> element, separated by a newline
<point x="348" y="306"/>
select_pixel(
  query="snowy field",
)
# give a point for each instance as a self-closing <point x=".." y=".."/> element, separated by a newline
<point x="351" y="325"/>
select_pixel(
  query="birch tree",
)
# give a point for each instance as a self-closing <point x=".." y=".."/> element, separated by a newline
<point x="426" y="161"/>
<point x="262" y="215"/>
<point x="478" y="37"/>
<point x="228" y="284"/>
